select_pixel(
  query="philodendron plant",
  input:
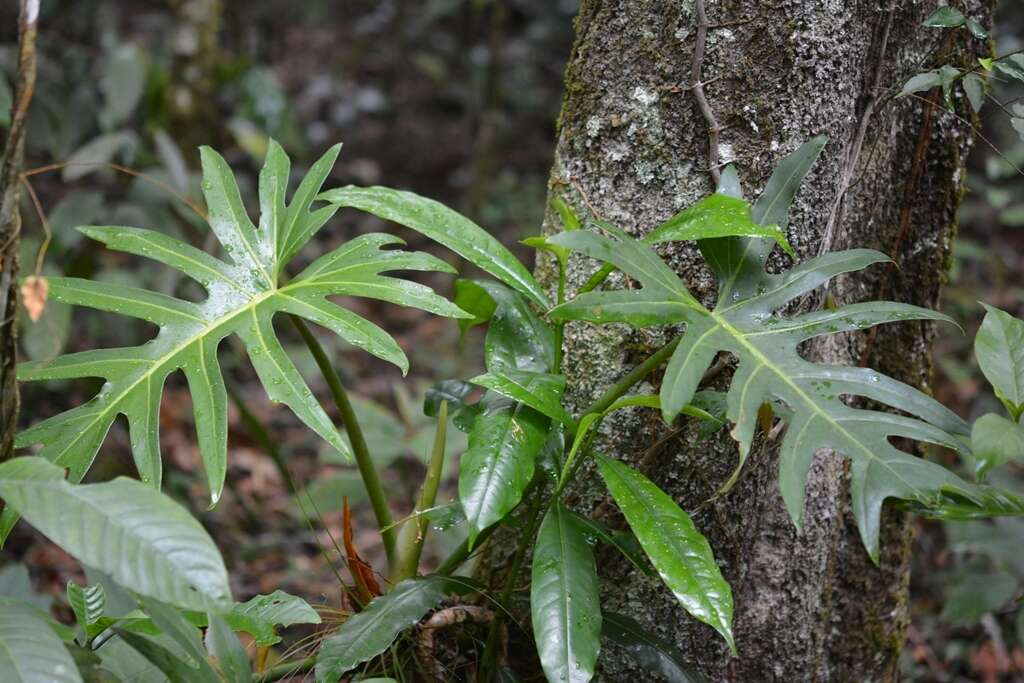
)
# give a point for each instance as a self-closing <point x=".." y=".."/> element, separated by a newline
<point x="175" y="618"/>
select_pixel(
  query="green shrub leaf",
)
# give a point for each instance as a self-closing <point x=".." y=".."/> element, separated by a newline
<point x="538" y="390"/>
<point x="368" y="633"/>
<point x="30" y="651"/>
<point x="140" y="537"/>
<point x="223" y="644"/>
<point x="88" y="604"/>
<point x="260" y="615"/>
<point x="680" y="554"/>
<point x="945" y="17"/>
<point x="564" y="599"/>
<point x="994" y="441"/>
<point x="498" y="464"/>
<point x="718" y="215"/>
<point x="999" y="347"/>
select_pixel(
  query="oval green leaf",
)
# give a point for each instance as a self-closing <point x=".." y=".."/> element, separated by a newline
<point x="140" y="537"/>
<point x="30" y="652"/>
<point x="498" y="464"/>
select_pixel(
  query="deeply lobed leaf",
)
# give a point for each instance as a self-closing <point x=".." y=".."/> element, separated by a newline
<point x="771" y="370"/>
<point x="243" y="296"/>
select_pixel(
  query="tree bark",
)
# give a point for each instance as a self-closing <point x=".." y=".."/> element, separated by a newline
<point x="10" y="225"/>
<point x="633" y="148"/>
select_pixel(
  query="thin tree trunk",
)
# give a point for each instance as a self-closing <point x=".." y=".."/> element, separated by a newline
<point x="10" y="225"/>
<point x="633" y="148"/>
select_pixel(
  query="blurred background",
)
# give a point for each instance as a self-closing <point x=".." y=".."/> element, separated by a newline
<point x="456" y="100"/>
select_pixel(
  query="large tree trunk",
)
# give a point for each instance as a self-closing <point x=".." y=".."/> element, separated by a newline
<point x="633" y="148"/>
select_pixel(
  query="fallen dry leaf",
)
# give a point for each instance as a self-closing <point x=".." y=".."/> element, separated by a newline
<point x="34" y="291"/>
<point x="362" y="572"/>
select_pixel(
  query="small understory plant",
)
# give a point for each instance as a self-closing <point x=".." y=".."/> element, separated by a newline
<point x="174" y="617"/>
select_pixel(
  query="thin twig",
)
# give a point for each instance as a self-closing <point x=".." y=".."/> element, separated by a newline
<point x="698" y="90"/>
<point x="47" y="233"/>
<point x="123" y="169"/>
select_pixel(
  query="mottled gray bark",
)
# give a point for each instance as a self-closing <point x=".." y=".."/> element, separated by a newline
<point x="633" y="149"/>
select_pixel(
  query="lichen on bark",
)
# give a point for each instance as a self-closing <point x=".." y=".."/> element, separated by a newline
<point x="632" y="149"/>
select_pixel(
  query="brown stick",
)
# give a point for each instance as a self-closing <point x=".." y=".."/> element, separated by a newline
<point x="698" y="91"/>
<point x="10" y="224"/>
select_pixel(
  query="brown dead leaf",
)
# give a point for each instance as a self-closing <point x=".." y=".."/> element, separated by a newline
<point x="988" y="663"/>
<point x="366" y="584"/>
<point x="34" y="291"/>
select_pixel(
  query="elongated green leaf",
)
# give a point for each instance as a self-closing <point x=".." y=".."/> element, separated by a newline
<point x="498" y="464"/>
<point x="368" y="633"/>
<point x="921" y="82"/>
<point x="540" y="391"/>
<point x="999" y="347"/>
<point x="30" y="652"/>
<point x="680" y="554"/>
<point x="142" y="539"/>
<point x="995" y="440"/>
<point x="180" y="630"/>
<point x="739" y="262"/>
<point x="166" y="660"/>
<point x="648" y="650"/>
<point x="974" y="88"/>
<point x="623" y="541"/>
<point x="120" y="659"/>
<point x="718" y="215"/>
<point x="564" y="599"/>
<point x="243" y="296"/>
<point x="771" y="370"/>
<point x="223" y="644"/>
<point x="945" y="17"/>
<point x="260" y="615"/>
<point x="439" y="223"/>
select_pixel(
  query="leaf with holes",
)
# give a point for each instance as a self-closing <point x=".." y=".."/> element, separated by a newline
<point x="746" y="323"/>
<point x="244" y="293"/>
<point x="260" y="616"/>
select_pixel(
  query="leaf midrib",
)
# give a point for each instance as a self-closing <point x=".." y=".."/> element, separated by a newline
<point x="764" y="361"/>
<point x="655" y="516"/>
